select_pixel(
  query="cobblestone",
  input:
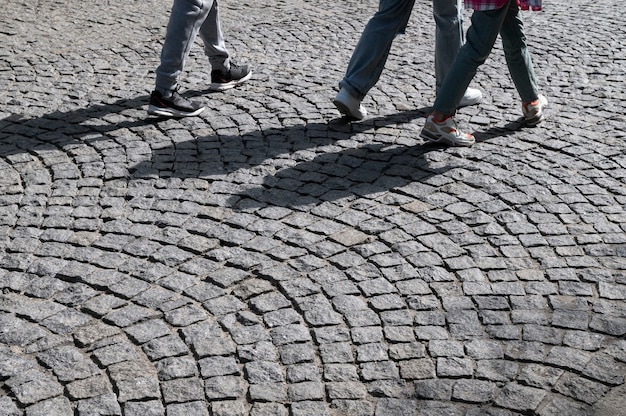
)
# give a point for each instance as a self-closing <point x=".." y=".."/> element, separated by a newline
<point x="271" y="258"/>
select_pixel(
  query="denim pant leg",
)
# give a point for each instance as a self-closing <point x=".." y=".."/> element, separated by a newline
<point x="481" y="36"/>
<point x="517" y="55"/>
<point x="213" y="39"/>
<point x="449" y="36"/>
<point x="372" y="50"/>
<point x="185" y="20"/>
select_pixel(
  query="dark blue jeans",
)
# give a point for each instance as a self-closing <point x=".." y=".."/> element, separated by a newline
<point x="371" y="52"/>
<point x="188" y="19"/>
<point x="481" y="36"/>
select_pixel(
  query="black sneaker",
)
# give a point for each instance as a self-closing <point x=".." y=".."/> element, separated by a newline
<point x="174" y="106"/>
<point x="221" y="80"/>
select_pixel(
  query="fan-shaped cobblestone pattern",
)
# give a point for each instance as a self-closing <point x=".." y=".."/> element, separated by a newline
<point x="268" y="258"/>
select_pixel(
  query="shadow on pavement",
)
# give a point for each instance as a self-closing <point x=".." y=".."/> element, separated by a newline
<point x="364" y="168"/>
<point x="291" y="179"/>
<point x="18" y="134"/>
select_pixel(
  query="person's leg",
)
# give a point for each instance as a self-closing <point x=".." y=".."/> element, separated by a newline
<point x="521" y="68"/>
<point x="448" y="35"/>
<point x="517" y="55"/>
<point x="185" y="20"/>
<point x="440" y="126"/>
<point x="370" y="55"/>
<point x="213" y="39"/>
<point x="481" y="37"/>
<point x="372" y="50"/>
<point x="224" y="73"/>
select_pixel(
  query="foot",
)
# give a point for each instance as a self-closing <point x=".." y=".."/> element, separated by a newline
<point x="445" y="132"/>
<point x="224" y="80"/>
<point x="349" y="106"/>
<point x="173" y="106"/>
<point x="472" y="96"/>
<point x="533" y="111"/>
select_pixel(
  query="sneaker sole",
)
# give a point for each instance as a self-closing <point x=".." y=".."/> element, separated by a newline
<point x="216" y="86"/>
<point x="469" y="102"/>
<point x="345" y="110"/>
<point x="532" y="122"/>
<point x="170" y="112"/>
<point x="428" y="136"/>
<point x="540" y="116"/>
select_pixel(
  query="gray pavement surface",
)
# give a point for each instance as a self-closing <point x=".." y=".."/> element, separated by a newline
<point x="270" y="258"/>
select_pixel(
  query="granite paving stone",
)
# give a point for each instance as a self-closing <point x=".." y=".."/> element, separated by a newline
<point x="271" y="257"/>
<point x="88" y="388"/>
<point x="57" y="405"/>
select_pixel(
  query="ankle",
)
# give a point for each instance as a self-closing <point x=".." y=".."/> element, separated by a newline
<point x="533" y="102"/>
<point x="440" y="117"/>
<point x="166" y="93"/>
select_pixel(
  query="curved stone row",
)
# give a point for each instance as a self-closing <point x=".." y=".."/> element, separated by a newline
<point x="116" y="282"/>
<point x="267" y="258"/>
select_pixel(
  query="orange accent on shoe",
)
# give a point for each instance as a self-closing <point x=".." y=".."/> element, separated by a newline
<point x="441" y="120"/>
<point x="529" y="103"/>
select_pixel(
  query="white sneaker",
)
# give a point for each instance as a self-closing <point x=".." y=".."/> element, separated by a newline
<point x="349" y="106"/>
<point x="533" y="111"/>
<point x="472" y="96"/>
<point x="445" y="132"/>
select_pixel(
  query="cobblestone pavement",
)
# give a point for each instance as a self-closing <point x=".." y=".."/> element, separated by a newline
<point x="269" y="258"/>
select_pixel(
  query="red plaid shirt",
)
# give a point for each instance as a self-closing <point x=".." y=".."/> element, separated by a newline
<point x="484" y="4"/>
<point x="496" y="4"/>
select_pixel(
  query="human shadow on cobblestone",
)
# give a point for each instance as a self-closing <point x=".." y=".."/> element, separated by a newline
<point x="356" y="172"/>
<point x="222" y="155"/>
<point x="18" y="134"/>
<point x="279" y="160"/>
<point x="508" y="129"/>
<point x="363" y="171"/>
